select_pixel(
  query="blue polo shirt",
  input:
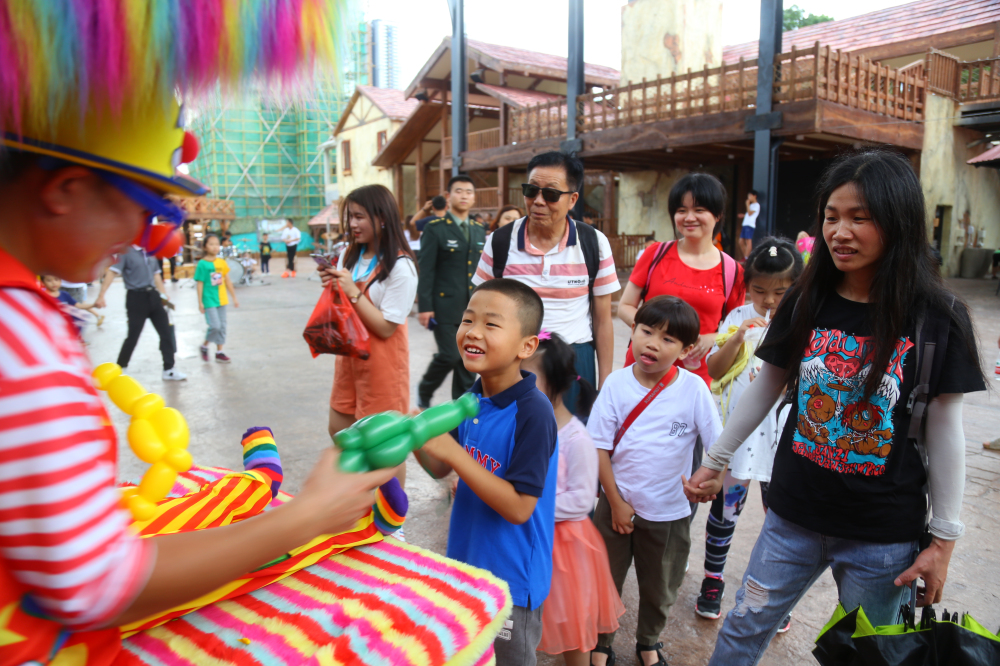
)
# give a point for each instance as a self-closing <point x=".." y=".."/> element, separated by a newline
<point x="514" y="437"/>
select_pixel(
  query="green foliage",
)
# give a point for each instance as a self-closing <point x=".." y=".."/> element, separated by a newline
<point x="794" y="17"/>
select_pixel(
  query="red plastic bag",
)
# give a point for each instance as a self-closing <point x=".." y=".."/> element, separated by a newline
<point x="335" y="327"/>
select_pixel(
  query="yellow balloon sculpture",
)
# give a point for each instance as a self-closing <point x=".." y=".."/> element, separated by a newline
<point x="157" y="435"/>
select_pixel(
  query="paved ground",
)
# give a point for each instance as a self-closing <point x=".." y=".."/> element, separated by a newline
<point x="274" y="381"/>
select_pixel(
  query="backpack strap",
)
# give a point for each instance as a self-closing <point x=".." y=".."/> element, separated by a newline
<point x="729" y="271"/>
<point x="586" y="235"/>
<point x="929" y="336"/>
<point x="661" y="251"/>
<point x="501" y="250"/>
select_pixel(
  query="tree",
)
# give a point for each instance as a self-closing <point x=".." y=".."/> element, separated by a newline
<point x="794" y="17"/>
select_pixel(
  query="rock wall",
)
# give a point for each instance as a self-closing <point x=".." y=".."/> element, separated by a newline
<point x="660" y="37"/>
<point x="969" y="193"/>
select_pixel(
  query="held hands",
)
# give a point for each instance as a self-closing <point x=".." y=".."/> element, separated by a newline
<point x="622" y="515"/>
<point x="703" y="486"/>
<point x="932" y="566"/>
<point x="332" y="501"/>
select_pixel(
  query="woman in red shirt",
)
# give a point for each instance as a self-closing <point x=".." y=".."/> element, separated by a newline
<point x="691" y="268"/>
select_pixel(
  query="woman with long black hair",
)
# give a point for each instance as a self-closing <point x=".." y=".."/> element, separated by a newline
<point x="848" y="484"/>
<point x="378" y="274"/>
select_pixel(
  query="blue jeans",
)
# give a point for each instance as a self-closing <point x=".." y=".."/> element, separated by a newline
<point x="786" y="561"/>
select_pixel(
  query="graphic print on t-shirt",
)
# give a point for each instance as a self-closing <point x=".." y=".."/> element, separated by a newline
<point x="837" y="428"/>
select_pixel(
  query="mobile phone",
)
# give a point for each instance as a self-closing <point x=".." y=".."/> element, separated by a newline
<point x="431" y="324"/>
<point x="322" y="260"/>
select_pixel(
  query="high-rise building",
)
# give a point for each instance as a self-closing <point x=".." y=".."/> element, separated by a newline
<point x="382" y="54"/>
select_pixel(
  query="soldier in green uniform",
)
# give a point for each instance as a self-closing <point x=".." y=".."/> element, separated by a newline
<point x="449" y="253"/>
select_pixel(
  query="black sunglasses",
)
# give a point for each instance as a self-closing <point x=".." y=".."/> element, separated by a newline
<point x="550" y="194"/>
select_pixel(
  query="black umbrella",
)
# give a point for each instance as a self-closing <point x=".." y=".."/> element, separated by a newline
<point x="849" y="639"/>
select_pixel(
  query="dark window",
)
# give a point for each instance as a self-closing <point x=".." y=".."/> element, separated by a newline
<point x="345" y="150"/>
<point x="383" y="138"/>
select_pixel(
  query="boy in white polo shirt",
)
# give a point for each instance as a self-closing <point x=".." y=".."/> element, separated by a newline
<point x="642" y="453"/>
<point x="566" y="262"/>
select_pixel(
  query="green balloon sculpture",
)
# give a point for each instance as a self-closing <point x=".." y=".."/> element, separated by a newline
<point x="384" y="440"/>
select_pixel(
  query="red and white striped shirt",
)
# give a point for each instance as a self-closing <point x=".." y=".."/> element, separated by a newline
<point x="559" y="276"/>
<point x="64" y="537"/>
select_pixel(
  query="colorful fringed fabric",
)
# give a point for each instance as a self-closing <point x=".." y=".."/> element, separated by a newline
<point x="384" y="603"/>
<point x="57" y="55"/>
<point x="226" y="498"/>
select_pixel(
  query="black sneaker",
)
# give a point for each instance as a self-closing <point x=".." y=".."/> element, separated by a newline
<point x="709" y="602"/>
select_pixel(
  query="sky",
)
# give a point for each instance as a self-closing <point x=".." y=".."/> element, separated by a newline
<point x="540" y="25"/>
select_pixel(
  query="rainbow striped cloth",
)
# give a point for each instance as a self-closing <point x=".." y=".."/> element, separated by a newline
<point x="383" y="603"/>
<point x="379" y="602"/>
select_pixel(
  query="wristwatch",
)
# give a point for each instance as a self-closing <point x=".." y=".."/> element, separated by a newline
<point x="354" y="299"/>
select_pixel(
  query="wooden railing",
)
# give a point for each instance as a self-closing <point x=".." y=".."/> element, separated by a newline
<point x="481" y="140"/>
<point x="979" y="80"/>
<point x="541" y="121"/>
<point x="814" y="73"/>
<point x="860" y="83"/>
<point x="941" y="70"/>
<point x="487" y="197"/>
<point x="625" y="248"/>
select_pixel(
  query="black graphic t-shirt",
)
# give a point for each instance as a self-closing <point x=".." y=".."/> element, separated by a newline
<point x="844" y="466"/>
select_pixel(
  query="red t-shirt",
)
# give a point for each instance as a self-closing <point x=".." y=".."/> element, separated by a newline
<point x="704" y="290"/>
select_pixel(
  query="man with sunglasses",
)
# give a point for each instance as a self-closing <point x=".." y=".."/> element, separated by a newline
<point x="449" y="251"/>
<point x="568" y="263"/>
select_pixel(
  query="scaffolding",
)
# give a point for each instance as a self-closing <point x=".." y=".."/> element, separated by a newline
<point x="263" y="155"/>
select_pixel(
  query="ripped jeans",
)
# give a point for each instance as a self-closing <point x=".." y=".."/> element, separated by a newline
<point x="786" y="560"/>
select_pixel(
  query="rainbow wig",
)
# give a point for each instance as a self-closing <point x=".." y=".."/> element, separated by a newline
<point x="57" y="56"/>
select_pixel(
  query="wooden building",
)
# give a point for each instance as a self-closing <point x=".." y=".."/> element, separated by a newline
<point x="502" y="80"/>
<point x="371" y="116"/>
<point x="921" y="77"/>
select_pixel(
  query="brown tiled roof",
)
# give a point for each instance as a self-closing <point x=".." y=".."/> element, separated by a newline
<point x="991" y="155"/>
<point x="516" y="96"/>
<point x="391" y="102"/>
<point x="532" y="60"/>
<point x="902" y="23"/>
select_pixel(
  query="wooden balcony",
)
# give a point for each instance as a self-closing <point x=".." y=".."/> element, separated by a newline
<point x="966" y="81"/>
<point x="698" y="115"/>
<point x="481" y="140"/>
<point x="488" y="198"/>
<point x="202" y="208"/>
<point x="816" y="73"/>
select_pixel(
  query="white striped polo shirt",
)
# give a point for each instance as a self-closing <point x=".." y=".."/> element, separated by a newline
<point x="559" y="276"/>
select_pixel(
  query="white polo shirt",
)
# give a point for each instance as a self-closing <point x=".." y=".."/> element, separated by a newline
<point x="558" y="276"/>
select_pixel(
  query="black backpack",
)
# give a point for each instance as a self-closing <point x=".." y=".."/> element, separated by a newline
<point x="586" y="234"/>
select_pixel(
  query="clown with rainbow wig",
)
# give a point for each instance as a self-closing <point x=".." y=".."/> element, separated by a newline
<point x="93" y="133"/>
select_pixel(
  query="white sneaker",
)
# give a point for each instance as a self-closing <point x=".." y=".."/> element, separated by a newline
<point x="173" y="375"/>
<point x="399" y="534"/>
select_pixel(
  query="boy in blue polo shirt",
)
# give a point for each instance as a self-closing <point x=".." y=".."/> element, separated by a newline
<point x="504" y="511"/>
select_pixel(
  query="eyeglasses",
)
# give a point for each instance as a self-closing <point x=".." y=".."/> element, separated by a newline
<point x="550" y="194"/>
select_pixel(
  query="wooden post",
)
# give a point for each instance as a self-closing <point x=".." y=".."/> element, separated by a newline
<point x="444" y="132"/>
<point x="704" y="90"/>
<point x="791" y="87"/>
<point x="742" y="104"/>
<point x="816" y="82"/>
<point x="722" y="87"/>
<point x="397" y="181"/>
<point x="673" y="95"/>
<point x="420" y="187"/>
<point x="609" y="202"/>
<point x="687" y="105"/>
<point x="659" y="106"/>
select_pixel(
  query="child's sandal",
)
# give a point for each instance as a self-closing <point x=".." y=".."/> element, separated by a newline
<point x="605" y="650"/>
<point x="640" y="648"/>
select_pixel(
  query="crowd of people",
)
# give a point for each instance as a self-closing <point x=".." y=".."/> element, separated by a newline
<point x="770" y="370"/>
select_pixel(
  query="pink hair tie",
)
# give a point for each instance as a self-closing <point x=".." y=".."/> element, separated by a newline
<point x="544" y="335"/>
<point x="578" y="378"/>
